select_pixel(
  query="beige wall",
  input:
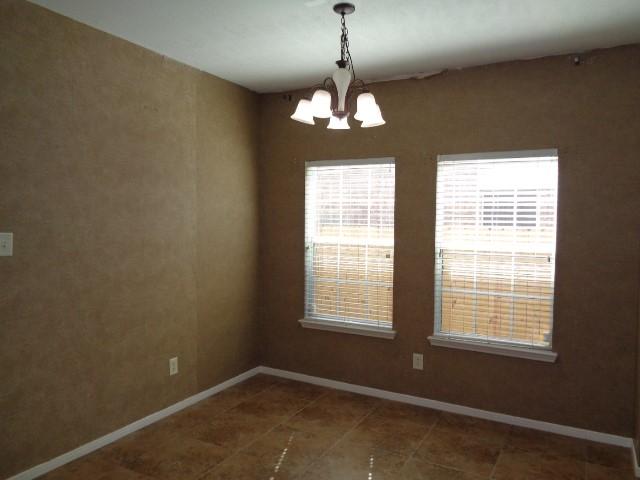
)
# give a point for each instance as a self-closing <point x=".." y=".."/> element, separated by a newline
<point x="591" y="113"/>
<point x="637" y="411"/>
<point x="129" y="181"/>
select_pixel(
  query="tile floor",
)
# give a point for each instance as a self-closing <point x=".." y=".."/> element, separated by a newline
<point x="269" y="428"/>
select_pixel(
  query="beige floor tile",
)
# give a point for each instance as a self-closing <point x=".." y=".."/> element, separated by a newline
<point x="242" y="467"/>
<point x="138" y="451"/>
<point x="233" y="430"/>
<point x="537" y="441"/>
<point x="394" y="435"/>
<point x="185" y="458"/>
<point x="269" y="428"/>
<point x="334" y="413"/>
<point x="272" y="403"/>
<point x="257" y="383"/>
<point x="417" y="470"/>
<point x="94" y="468"/>
<point x="523" y="465"/>
<point x="348" y="402"/>
<point x="459" y="450"/>
<point x="491" y="433"/>
<point x="609" y="456"/>
<point x="599" y="472"/>
<point x="351" y="461"/>
<point x="289" y="451"/>
<point x="402" y="411"/>
<point x="282" y="453"/>
<point x="218" y="404"/>
<point x="300" y="390"/>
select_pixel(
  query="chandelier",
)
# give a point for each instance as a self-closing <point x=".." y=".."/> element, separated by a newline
<point x="333" y="98"/>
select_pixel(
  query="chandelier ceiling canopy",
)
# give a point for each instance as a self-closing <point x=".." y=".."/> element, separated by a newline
<point x="334" y="97"/>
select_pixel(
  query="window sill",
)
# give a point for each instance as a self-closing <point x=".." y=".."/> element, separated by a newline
<point x="506" y="350"/>
<point x="346" y="327"/>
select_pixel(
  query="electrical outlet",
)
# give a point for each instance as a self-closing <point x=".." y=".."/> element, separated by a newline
<point x="173" y="366"/>
<point x="418" y="361"/>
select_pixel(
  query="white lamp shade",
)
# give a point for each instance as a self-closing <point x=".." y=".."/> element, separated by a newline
<point x="304" y="112"/>
<point x="321" y="104"/>
<point x="366" y="104"/>
<point x="336" y="123"/>
<point x="342" y="79"/>
<point x="374" y="119"/>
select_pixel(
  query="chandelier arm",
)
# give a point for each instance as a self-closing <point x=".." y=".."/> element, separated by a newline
<point x="329" y="85"/>
<point x="313" y="89"/>
<point x="356" y="88"/>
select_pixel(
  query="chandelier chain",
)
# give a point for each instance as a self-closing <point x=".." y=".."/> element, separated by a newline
<point x="345" y="54"/>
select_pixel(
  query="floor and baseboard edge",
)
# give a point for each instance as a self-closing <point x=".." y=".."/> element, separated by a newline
<point x="87" y="448"/>
<point x="93" y="445"/>
<point x="634" y="459"/>
<point x="455" y="408"/>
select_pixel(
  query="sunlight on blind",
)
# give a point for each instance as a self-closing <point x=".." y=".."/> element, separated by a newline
<point x="495" y="248"/>
<point x="349" y="215"/>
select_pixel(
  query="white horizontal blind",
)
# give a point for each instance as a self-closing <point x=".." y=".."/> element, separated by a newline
<point x="349" y="222"/>
<point x="495" y="247"/>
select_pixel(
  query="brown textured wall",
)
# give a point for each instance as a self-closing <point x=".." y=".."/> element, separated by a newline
<point x="636" y="438"/>
<point x="130" y="184"/>
<point x="591" y="113"/>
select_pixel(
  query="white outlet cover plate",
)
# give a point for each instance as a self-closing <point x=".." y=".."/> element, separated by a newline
<point x="418" y="361"/>
<point x="173" y="366"/>
<point x="6" y="244"/>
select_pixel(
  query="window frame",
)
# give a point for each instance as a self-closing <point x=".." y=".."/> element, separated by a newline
<point x="543" y="353"/>
<point x="325" y="322"/>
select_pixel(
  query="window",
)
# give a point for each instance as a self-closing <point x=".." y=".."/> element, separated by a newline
<point x="349" y="212"/>
<point x="495" y="249"/>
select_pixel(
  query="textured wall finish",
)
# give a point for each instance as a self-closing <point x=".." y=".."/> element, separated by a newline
<point x="591" y="113"/>
<point x="637" y="422"/>
<point x="129" y="181"/>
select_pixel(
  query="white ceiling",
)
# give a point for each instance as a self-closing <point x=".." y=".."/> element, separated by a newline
<point x="278" y="45"/>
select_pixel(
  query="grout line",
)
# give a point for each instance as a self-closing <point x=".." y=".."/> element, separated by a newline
<point x="341" y="437"/>
<point x="281" y="423"/>
<point x="109" y="438"/>
<point x="421" y="442"/>
<point x="505" y="440"/>
<point x="585" y="470"/>
<point x="327" y="387"/>
<point x="540" y="425"/>
<point x="179" y="433"/>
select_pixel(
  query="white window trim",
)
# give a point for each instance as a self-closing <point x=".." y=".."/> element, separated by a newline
<point x="349" y="327"/>
<point x="543" y="354"/>
<point x="507" y="350"/>
<point x="346" y="326"/>
<point x="523" y="154"/>
<point x="351" y="161"/>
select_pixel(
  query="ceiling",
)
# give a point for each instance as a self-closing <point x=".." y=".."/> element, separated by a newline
<point x="279" y="45"/>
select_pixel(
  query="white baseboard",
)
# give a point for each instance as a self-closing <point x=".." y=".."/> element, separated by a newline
<point x="87" y="448"/>
<point x="454" y="408"/>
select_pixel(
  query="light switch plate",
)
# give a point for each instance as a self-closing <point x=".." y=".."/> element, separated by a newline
<point x="6" y="244"/>
<point x="418" y="361"/>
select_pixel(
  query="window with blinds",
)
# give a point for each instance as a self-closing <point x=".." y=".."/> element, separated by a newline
<point x="349" y="216"/>
<point x="495" y="247"/>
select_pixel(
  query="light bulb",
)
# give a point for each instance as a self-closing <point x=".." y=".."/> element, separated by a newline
<point x="374" y="118"/>
<point x="336" y="123"/>
<point x="321" y="104"/>
<point x="303" y="112"/>
<point x="365" y="106"/>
